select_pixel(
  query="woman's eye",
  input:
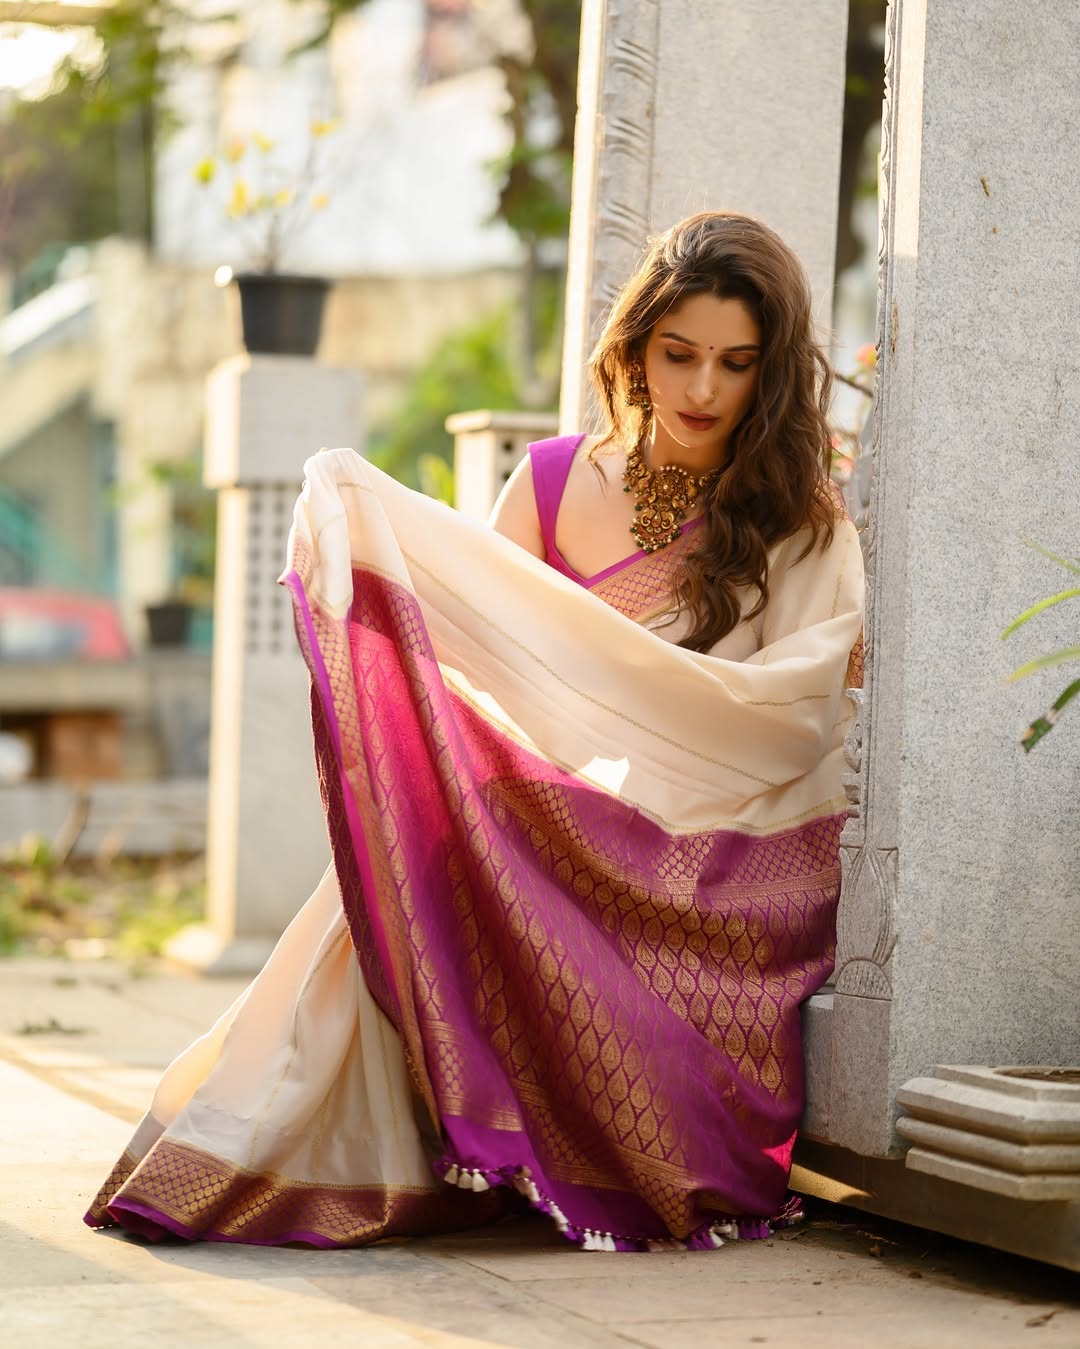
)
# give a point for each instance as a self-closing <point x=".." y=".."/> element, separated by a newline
<point x="734" y="365"/>
<point x="678" y="357"/>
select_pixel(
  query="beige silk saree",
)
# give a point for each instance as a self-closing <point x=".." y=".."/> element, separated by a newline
<point x="582" y="881"/>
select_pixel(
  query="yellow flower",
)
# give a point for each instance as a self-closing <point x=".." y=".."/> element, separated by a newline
<point x="264" y="143"/>
<point x="235" y="149"/>
<point x="284" y="197"/>
<point x="240" y="201"/>
<point x="325" y="128"/>
<point x="320" y="201"/>
<point x="204" y="170"/>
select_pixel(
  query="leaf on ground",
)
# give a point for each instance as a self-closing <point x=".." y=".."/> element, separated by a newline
<point x="50" y="1027"/>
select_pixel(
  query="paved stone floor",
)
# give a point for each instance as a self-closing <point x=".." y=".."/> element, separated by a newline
<point x="80" y="1047"/>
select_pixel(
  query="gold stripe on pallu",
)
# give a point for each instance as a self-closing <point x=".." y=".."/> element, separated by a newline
<point x="598" y="702"/>
<point x="835" y="805"/>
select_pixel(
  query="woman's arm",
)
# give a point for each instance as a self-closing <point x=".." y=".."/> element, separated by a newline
<point x="515" y="515"/>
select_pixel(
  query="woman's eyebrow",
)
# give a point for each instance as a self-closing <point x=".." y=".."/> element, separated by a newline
<point x="746" y="346"/>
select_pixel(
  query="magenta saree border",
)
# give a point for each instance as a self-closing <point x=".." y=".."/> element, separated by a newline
<point x="383" y="991"/>
<point x="180" y="1190"/>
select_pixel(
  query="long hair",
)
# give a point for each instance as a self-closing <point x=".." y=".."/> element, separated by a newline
<point x="776" y="479"/>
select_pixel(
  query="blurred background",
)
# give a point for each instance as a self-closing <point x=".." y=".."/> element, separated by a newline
<point x="416" y="155"/>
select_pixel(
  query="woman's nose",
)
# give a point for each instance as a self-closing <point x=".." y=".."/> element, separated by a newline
<point x="702" y="387"/>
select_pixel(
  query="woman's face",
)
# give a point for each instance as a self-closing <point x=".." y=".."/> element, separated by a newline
<point x="701" y="365"/>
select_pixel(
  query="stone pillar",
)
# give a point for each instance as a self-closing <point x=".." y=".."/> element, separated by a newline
<point x="960" y="919"/>
<point x="487" y="448"/>
<point x="687" y="107"/>
<point x="266" y="838"/>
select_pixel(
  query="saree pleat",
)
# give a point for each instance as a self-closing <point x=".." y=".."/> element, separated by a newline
<point x="583" y="880"/>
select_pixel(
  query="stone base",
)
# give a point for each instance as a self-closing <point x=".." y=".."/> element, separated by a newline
<point x="1012" y="1131"/>
<point x="1056" y="1185"/>
<point x="1048" y="1231"/>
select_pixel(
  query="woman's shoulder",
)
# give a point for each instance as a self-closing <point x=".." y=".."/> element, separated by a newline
<point x="556" y="449"/>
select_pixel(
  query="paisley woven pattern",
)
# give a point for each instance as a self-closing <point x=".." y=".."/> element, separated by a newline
<point x="642" y="588"/>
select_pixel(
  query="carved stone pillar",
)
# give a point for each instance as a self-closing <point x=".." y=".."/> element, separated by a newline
<point x="960" y="918"/>
<point x="686" y="107"/>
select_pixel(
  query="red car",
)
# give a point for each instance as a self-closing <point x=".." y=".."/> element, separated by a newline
<point x="47" y="625"/>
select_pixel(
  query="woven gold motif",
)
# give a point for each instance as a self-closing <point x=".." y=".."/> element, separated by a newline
<point x="116" y="1179"/>
<point x="642" y="589"/>
<point x="207" y="1195"/>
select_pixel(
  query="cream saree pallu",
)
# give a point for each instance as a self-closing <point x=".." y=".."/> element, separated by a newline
<point x="582" y="881"/>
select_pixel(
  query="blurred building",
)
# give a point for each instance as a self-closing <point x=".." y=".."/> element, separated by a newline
<point x="103" y="366"/>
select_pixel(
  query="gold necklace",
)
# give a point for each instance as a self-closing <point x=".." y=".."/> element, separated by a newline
<point x="662" y="496"/>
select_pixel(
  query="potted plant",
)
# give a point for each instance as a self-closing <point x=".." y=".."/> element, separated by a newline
<point x="270" y="199"/>
<point x="193" y="510"/>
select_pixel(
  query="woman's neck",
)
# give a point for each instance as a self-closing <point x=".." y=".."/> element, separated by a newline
<point x="662" y="452"/>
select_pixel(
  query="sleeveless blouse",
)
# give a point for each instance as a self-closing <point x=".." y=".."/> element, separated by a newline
<point x="551" y="462"/>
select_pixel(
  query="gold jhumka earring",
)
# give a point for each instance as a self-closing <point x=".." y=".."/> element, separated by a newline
<point x="637" y="390"/>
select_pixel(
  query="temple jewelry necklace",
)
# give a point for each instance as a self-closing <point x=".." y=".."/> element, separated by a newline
<point x="662" y="496"/>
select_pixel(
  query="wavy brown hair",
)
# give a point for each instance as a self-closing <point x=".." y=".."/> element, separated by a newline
<point x="776" y="480"/>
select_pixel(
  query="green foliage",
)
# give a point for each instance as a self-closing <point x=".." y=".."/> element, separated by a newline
<point x="138" y="41"/>
<point x="1043" y="725"/>
<point x="436" y="476"/>
<point x="533" y="176"/>
<point x="58" y="182"/>
<point x="128" y="907"/>
<point x="193" y="514"/>
<point x="468" y="370"/>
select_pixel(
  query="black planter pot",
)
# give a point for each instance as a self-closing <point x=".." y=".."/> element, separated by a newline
<point x="168" y="623"/>
<point x="281" y="315"/>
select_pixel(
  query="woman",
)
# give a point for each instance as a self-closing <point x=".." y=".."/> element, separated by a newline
<point x="584" y="806"/>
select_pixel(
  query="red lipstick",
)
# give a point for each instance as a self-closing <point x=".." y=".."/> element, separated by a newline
<point x="697" y="423"/>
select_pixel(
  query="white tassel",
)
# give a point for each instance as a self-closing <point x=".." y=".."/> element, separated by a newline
<point x="609" y="1242"/>
<point x="465" y="1180"/>
<point x="451" y="1176"/>
<point x="480" y="1182"/>
<point x="716" y="1239"/>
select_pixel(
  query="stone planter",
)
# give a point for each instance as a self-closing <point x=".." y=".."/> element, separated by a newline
<point x="281" y="315"/>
